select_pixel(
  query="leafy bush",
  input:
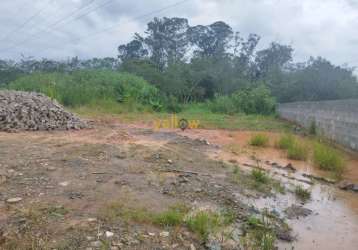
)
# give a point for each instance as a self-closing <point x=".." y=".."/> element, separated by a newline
<point x="328" y="158"/>
<point x="255" y="101"/>
<point x="223" y="104"/>
<point x="259" y="140"/>
<point x="249" y="101"/>
<point x="172" y="104"/>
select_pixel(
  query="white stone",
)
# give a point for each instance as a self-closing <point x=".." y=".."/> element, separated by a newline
<point x="14" y="200"/>
<point x="64" y="184"/>
<point x="109" y="234"/>
<point x="164" y="234"/>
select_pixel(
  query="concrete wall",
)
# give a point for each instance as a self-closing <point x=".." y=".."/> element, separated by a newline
<point x="336" y="120"/>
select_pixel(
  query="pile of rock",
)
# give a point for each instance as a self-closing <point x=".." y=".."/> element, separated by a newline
<point x="34" y="111"/>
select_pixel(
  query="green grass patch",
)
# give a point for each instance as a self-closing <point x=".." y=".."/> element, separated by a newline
<point x="285" y="141"/>
<point x="297" y="151"/>
<point x="260" y="176"/>
<point x="174" y="216"/>
<point x="88" y="87"/>
<point x="329" y="159"/>
<point x="258" y="180"/>
<point x="203" y="223"/>
<point x="259" y="234"/>
<point x="259" y="140"/>
<point x="302" y="193"/>
<point x="129" y="113"/>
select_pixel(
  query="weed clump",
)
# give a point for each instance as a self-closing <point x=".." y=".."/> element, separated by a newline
<point x="302" y="193"/>
<point x="206" y="222"/>
<point x="174" y="216"/>
<point x="259" y="176"/>
<point x="259" y="234"/>
<point x="259" y="140"/>
<point x="328" y="159"/>
<point x="297" y="151"/>
<point x="257" y="180"/>
<point x="285" y="141"/>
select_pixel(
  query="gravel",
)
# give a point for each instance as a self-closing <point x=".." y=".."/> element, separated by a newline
<point x="33" y="111"/>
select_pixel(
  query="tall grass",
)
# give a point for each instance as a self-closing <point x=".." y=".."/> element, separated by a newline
<point x="94" y="87"/>
<point x="329" y="159"/>
<point x="286" y="141"/>
<point x="297" y="151"/>
<point x="302" y="193"/>
<point x="259" y="140"/>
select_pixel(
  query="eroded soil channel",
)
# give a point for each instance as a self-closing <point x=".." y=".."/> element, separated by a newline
<point x="111" y="187"/>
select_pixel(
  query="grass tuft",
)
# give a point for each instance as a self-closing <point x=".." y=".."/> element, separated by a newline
<point x="204" y="223"/>
<point x="285" y="142"/>
<point x="297" y="151"/>
<point x="174" y="216"/>
<point x="259" y="140"/>
<point x="328" y="159"/>
<point x="259" y="176"/>
<point x="257" y="180"/>
<point x="259" y="234"/>
<point x="302" y="193"/>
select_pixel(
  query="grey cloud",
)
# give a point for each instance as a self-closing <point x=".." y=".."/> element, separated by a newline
<point x="320" y="27"/>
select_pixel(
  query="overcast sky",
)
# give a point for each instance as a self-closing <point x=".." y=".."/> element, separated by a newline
<point x="65" y="28"/>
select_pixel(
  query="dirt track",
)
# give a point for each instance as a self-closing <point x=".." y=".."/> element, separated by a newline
<point x="67" y="180"/>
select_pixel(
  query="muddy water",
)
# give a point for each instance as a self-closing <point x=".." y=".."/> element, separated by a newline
<point x="333" y="223"/>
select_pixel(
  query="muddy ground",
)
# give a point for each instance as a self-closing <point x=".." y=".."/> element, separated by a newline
<point x="63" y="190"/>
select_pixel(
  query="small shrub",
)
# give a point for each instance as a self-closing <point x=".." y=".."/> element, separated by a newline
<point x="172" y="104"/>
<point x="259" y="140"/>
<point x="297" y="151"/>
<point x="223" y="104"/>
<point x="255" y="100"/>
<point x="302" y="194"/>
<point x="285" y="141"/>
<point x="329" y="159"/>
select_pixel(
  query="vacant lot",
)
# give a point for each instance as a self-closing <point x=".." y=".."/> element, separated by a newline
<point x="127" y="186"/>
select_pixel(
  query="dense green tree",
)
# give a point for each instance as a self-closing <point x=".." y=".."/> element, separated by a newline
<point x="212" y="40"/>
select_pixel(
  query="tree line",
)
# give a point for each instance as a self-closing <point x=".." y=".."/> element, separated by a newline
<point x="206" y="62"/>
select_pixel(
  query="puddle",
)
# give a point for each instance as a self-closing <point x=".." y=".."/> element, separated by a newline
<point x="333" y="223"/>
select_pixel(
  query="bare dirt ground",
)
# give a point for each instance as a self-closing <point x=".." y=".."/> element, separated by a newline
<point x="93" y="189"/>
